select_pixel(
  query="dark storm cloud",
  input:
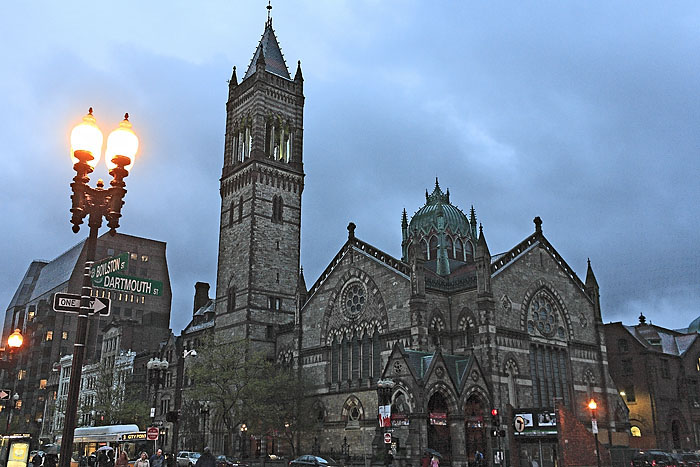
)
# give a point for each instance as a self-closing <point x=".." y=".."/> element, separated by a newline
<point x="584" y="114"/>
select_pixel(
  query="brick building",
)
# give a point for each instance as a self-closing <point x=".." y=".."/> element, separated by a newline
<point x="657" y="373"/>
<point x="49" y="335"/>
<point x="457" y="330"/>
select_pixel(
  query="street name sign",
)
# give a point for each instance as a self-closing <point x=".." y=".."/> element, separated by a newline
<point x="70" y="303"/>
<point x="107" y="266"/>
<point x="130" y="284"/>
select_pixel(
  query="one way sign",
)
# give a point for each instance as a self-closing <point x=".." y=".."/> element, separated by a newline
<point x="70" y="303"/>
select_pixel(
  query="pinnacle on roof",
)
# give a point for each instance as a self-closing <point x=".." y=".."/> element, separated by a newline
<point x="271" y="53"/>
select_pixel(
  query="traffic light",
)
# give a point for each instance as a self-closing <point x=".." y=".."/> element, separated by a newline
<point x="495" y="419"/>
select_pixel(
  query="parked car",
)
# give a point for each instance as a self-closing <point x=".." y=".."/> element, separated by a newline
<point x="652" y="459"/>
<point x="686" y="459"/>
<point x="223" y="461"/>
<point x="187" y="458"/>
<point x="307" y="460"/>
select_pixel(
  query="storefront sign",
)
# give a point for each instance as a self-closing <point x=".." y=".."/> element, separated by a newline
<point x="535" y="422"/>
<point x="385" y="416"/>
<point x="399" y="419"/>
<point x="137" y="436"/>
<point x="438" y="418"/>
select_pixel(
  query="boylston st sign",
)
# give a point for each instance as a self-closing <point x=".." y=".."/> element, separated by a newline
<point x="115" y="264"/>
<point x="70" y="303"/>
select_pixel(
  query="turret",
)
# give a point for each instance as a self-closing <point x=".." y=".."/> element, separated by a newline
<point x="404" y="236"/>
<point x="483" y="264"/>
<point x="593" y="291"/>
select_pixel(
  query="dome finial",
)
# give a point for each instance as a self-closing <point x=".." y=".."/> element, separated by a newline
<point x="642" y="318"/>
<point x="269" y="12"/>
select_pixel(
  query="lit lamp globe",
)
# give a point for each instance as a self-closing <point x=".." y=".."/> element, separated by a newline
<point x="88" y="138"/>
<point x="592" y="404"/>
<point x="122" y="142"/>
<point x="15" y="340"/>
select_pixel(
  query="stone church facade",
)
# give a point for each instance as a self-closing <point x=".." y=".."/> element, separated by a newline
<point x="454" y="330"/>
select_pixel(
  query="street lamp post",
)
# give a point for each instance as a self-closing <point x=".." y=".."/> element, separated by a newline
<point x="157" y="369"/>
<point x="594" y="426"/>
<point x="204" y="410"/>
<point x="14" y="342"/>
<point x="99" y="202"/>
<point x="244" y="440"/>
<point x="384" y="390"/>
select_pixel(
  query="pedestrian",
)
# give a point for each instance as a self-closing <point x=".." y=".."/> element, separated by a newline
<point x="143" y="461"/>
<point x="170" y="460"/>
<point x="101" y="459"/>
<point x="50" y="460"/>
<point x="157" y="459"/>
<point x="425" y="461"/>
<point x="110" y="459"/>
<point x="83" y="461"/>
<point x="434" y="462"/>
<point x="478" y="458"/>
<point x="122" y="460"/>
<point x="206" y="459"/>
<point x="37" y="460"/>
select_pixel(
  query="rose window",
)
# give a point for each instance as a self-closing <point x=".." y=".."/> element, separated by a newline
<point x="543" y="317"/>
<point x="354" y="298"/>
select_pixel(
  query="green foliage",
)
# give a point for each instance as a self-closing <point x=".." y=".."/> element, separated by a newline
<point x="242" y="386"/>
<point x="115" y="402"/>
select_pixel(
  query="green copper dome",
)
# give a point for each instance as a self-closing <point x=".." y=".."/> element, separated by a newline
<point x="437" y="203"/>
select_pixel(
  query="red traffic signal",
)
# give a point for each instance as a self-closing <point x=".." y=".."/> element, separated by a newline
<point x="494" y="412"/>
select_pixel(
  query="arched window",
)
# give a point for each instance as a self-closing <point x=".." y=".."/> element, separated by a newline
<point x="376" y="355"/>
<point x="335" y="359"/>
<point x="549" y="368"/>
<point x="424" y="250"/>
<point x="468" y="250"/>
<point x="622" y="346"/>
<point x="231" y="299"/>
<point x="468" y="330"/>
<point x="345" y="359"/>
<point x="449" y="246"/>
<point x="366" y="356"/>
<point x="433" y="247"/>
<point x="230" y="213"/>
<point x="635" y="431"/>
<point x="435" y="329"/>
<point x="459" y="250"/>
<point x="512" y="374"/>
<point x="240" y="209"/>
<point x="355" y="358"/>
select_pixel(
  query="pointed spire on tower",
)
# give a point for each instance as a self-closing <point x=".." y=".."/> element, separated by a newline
<point x="404" y="219"/>
<point x="590" y="277"/>
<point x="298" y="76"/>
<point x="234" y="78"/>
<point x="482" y="249"/>
<point x="260" y="62"/>
<point x="270" y="48"/>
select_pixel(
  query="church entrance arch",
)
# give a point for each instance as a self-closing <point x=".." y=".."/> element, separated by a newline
<point x="475" y="412"/>
<point x="439" y="437"/>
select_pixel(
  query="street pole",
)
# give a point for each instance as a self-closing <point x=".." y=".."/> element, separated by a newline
<point x="594" y="427"/>
<point x="79" y="345"/>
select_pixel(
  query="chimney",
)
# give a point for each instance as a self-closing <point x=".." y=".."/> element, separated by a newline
<point x="201" y="295"/>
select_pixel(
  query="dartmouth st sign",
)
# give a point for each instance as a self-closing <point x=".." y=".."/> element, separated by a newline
<point x="108" y="274"/>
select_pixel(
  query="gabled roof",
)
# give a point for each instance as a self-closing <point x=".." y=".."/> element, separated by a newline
<point x="501" y="261"/>
<point x="421" y="362"/>
<point x="24" y="291"/>
<point x="57" y="271"/>
<point x="661" y="339"/>
<point x="368" y="250"/>
<point x="274" y="60"/>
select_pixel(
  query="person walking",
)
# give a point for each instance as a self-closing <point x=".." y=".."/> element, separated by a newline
<point x="143" y="461"/>
<point x="50" y="460"/>
<point x="37" y="460"/>
<point x="122" y="460"/>
<point x="157" y="459"/>
<point x="434" y="462"/>
<point x="207" y="459"/>
<point x="170" y="460"/>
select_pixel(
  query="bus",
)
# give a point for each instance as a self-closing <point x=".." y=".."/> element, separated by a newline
<point x="127" y="438"/>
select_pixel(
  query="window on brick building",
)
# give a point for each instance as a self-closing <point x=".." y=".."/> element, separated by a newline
<point x="635" y="431"/>
<point x="665" y="371"/>
<point x="274" y="303"/>
<point x="629" y="394"/>
<point x="622" y="346"/>
<point x="627" y="367"/>
<point x="231" y="299"/>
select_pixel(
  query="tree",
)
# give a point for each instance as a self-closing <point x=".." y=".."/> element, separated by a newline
<point x="112" y="399"/>
<point x="243" y="386"/>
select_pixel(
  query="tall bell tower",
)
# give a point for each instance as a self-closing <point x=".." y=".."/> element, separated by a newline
<point x="261" y="185"/>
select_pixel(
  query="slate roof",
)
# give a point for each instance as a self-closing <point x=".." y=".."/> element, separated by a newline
<point x="57" y="271"/>
<point x="456" y="364"/>
<point x="669" y="342"/>
<point x="23" y="292"/>
<point x="274" y="60"/>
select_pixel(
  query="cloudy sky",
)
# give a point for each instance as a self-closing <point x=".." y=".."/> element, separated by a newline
<point x="584" y="113"/>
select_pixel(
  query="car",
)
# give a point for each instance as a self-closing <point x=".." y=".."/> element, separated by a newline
<point x="652" y="459"/>
<point x="686" y="459"/>
<point x="223" y="461"/>
<point x="306" y="460"/>
<point x="187" y="458"/>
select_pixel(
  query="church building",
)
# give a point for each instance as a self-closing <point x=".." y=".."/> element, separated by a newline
<point x="447" y="332"/>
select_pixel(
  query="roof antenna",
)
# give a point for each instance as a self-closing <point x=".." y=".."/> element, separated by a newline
<point x="269" y="10"/>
